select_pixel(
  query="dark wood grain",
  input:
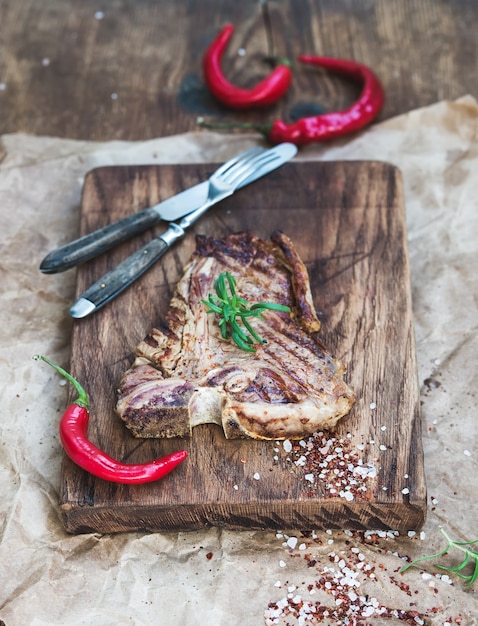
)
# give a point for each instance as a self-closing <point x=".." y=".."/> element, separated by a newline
<point x="347" y="221"/>
<point x="136" y="73"/>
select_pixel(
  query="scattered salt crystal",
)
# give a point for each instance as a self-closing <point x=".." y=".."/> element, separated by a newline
<point x="278" y="583"/>
<point x="292" y="542"/>
<point x="426" y="576"/>
<point x="256" y="476"/>
<point x="385" y="488"/>
<point x="330" y="542"/>
<point x="309" y="477"/>
<point x="348" y="495"/>
<point x="114" y="96"/>
<point x="287" y="445"/>
<point x="383" y="428"/>
<point x="45" y="62"/>
<point x="382" y="447"/>
<point x="466" y="452"/>
<point x="368" y="611"/>
<point x="447" y="579"/>
<point x="422" y="535"/>
<point x="329" y="532"/>
<point x="3" y="86"/>
<point x="236" y="487"/>
<point x="373" y="405"/>
<point x="435" y="422"/>
<point x="99" y="15"/>
<point x="406" y="491"/>
<point x="302" y="546"/>
<point x="411" y="533"/>
<point x="372" y="441"/>
<point x="282" y="564"/>
<point x="406" y="476"/>
<point x="241" y="52"/>
<point x="291" y="588"/>
<point x="434" y="501"/>
<point x="276" y="458"/>
<point x="360" y="446"/>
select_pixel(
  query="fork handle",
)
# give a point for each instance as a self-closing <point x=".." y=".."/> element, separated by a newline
<point x="119" y="278"/>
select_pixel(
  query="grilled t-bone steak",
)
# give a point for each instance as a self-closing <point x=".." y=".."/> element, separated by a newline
<point x="186" y="374"/>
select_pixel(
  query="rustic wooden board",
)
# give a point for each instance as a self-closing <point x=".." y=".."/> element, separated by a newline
<point x="347" y="221"/>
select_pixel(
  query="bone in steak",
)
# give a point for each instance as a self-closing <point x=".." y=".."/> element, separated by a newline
<point x="185" y="374"/>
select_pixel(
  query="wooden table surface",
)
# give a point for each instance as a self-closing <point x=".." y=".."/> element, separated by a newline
<point x="132" y="69"/>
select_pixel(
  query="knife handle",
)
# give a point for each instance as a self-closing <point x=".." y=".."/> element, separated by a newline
<point x="99" y="241"/>
<point x="116" y="281"/>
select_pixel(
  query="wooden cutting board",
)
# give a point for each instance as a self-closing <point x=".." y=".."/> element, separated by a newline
<point x="347" y="221"/>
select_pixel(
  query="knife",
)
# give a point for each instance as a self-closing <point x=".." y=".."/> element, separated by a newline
<point x="118" y="279"/>
<point x="103" y="239"/>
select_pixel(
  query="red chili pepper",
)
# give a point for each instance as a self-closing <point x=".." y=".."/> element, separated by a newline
<point x="266" y="92"/>
<point x="329" y="125"/>
<point x="74" y="437"/>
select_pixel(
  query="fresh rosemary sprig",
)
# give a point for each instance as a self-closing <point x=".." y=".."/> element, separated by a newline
<point x="464" y="546"/>
<point x="233" y="310"/>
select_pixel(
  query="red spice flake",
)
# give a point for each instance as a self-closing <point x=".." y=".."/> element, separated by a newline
<point x="339" y="579"/>
<point x="401" y="585"/>
<point x="209" y="555"/>
<point x="332" y="466"/>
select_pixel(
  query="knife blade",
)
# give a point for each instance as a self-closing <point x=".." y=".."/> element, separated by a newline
<point x="103" y="239"/>
<point x="121" y="277"/>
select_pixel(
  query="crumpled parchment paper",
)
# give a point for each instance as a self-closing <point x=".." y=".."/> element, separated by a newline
<point x="219" y="577"/>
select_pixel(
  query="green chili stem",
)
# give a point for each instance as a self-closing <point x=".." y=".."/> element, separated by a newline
<point x="82" y="399"/>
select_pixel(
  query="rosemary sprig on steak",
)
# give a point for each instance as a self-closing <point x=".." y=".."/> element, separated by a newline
<point x="232" y="311"/>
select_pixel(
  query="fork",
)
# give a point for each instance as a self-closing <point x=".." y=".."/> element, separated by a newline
<point x="99" y="241"/>
<point x="223" y="182"/>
